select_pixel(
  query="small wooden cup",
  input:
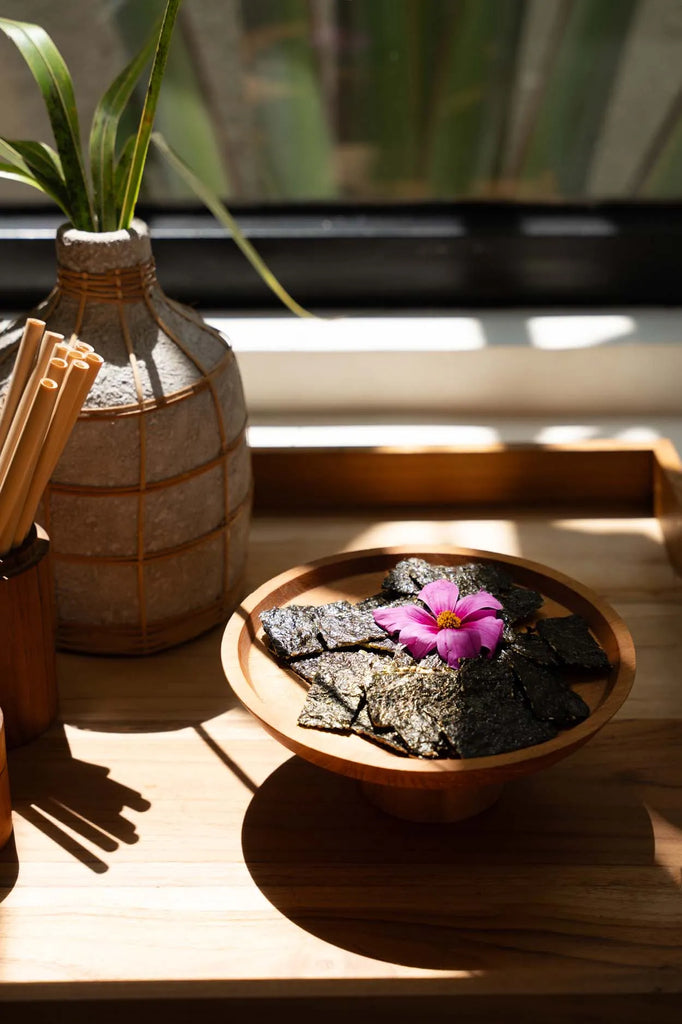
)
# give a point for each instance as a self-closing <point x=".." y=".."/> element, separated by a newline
<point x="28" y="674"/>
<point x="5" y="802"/>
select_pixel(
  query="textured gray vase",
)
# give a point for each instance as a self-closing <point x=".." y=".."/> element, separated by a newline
<point x="148" y="510"/>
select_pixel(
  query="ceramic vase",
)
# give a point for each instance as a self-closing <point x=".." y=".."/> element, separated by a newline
<point x="148" y="510"/>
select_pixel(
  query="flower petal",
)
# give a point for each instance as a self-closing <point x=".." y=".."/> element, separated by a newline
<point x="394" y="619"/>
<point x="482" y="613"/>
<point x="454" y="644"/>
<point x="475" y="603"/>
<point x="488" y="631"/>
<point x="419" y="639"/>
<point x="440" y="596"/>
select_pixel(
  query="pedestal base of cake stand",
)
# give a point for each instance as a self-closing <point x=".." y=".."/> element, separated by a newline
<point x="451" y="804"/>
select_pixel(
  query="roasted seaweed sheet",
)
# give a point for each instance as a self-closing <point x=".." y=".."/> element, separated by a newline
<point x="365" y="682"/>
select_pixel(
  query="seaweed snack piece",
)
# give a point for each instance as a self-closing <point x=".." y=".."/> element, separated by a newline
<point x="400" y="582"/>
<point x="389" y="738"/>
<point x="387" y="644"/>
<point x="400" y="700"/>
<point x="570" y="639"/>
<point x="344" y="665"/>
<point x="490" y="716"/>
<point x="383" y="600"/>
<point x="342" y="624"/>
<point x="292" y="631"/>
<point x="424" y="572"/>
<point x="550" y="698"/>
<point x="533" y="647"/>
<point x="489" y="576"/>
<point x="338" y="687"/>
<point x="519" y="604"/>
<point x="330" y="704"/>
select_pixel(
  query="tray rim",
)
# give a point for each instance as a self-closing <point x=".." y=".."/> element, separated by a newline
<point x="239" y="635"/>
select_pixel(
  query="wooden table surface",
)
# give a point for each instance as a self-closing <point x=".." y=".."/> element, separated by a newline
<point x="167" y="848"/>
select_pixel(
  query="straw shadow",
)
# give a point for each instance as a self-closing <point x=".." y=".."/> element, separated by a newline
<point x="74" y="803"/>
<point x="9" y="867"/>
<point x="485" y="894"/>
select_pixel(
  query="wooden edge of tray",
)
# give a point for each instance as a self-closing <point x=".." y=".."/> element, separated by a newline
<point x="667" y="498"/>
<point x="612" y="476"/>
<point x="598" y="477"/>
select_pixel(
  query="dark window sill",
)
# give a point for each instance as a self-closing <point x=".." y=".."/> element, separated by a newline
<point x="397" y="256"/>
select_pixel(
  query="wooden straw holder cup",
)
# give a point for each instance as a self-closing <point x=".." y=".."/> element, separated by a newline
<point x="28" y="677"/>
<point x="5" y="803"/>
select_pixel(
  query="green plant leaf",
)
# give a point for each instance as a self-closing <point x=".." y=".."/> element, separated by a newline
<point x="54" y="81"/>
<point x="11" y="155"/>
<point x="144" y="131"/>
<point x="103" y="133"/>
<point x="36" y="164"/>
<point x="122" y="168"/>
<point x="44" y="163"/>
<point x="224" y="217"/>
<point x="40" y="155"/>
<point x="13" y="173"/>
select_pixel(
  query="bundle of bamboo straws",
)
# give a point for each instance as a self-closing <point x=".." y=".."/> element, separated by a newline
<point x="49" y="383"/>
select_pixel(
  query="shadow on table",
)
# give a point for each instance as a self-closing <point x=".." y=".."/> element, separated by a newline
<point x="9" y="867"/>
<point x="74" y="803"/>
<point x="163" y="692"/>
<point x="562" y="867"/>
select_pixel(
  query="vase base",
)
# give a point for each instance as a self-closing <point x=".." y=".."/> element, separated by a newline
<point x="86" y="638"/>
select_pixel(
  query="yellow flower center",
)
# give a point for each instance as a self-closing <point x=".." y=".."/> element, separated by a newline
<point x="448" y="620"/>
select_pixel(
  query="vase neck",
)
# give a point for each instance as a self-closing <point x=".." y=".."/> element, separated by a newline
<point x="121" y="284"/>
<point x="107" y="266"/>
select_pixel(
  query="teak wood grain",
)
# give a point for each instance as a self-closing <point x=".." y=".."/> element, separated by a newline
<point x="587" y="476"/>
<point x="170" y="856"/>
<point x="5" y="802"/>
<point x="28" y="673"/>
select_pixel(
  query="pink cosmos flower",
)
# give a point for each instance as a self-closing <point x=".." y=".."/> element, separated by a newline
<point x="456" y="627"/>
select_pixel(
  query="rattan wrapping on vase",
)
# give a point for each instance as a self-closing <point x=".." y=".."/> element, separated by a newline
<point x="148" y="510"/>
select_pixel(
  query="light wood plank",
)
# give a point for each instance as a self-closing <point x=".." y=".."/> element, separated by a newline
<point x="167" y="847"/>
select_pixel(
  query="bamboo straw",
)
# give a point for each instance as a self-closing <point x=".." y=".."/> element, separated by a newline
<point x="47" y="346"/>
<point x="17" y="480"/>
<point x="33" y="332"/>
<point x="93" y="360"/>
<point x="60" y="350"/>
<point x="77" y="383"/>
<point x="50" y="340"/>
<point x="56" y="369"/>
<point x="82" y="346"/>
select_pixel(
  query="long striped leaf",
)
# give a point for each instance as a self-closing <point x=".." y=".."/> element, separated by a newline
<point x="40" y="156"/>
<point x="12" y="173"/>
<point x="45" y="165"/>
<point x="122" y="169"/>
<point x="36" y="164"/>
<point x="53" y="78"/>
<point x="144" y="131"/>
<point x="103" y="133"/>
<point x="224" y="217"/>
<point x="10" y="155"/>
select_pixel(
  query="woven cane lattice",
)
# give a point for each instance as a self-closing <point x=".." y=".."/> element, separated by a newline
<point x="148" y="510"/>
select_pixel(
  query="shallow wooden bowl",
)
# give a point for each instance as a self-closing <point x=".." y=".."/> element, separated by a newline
<point x="423" y="790"/>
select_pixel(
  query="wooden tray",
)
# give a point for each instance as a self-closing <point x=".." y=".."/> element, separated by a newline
<point x="419" y="789"/>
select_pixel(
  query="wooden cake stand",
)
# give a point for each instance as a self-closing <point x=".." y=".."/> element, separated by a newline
<point x="420" y="790"/>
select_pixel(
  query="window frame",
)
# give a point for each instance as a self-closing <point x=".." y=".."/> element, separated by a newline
<point x="389" y="256"/>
